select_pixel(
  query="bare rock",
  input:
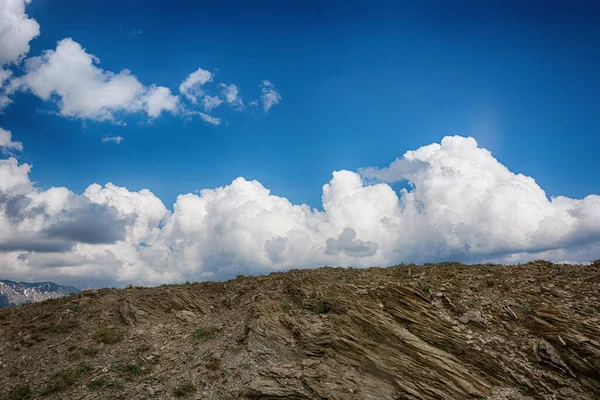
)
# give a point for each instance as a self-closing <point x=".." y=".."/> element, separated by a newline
<point x="472" y="316"/>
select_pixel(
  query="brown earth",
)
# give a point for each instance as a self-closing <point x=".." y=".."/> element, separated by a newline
<point x="445" y="331"/>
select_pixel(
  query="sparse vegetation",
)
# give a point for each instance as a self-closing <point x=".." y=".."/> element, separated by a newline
<point x="590" y="310"/>
<point x="74" y="353"/>
<point x="205" y="333"/>
<point x="134" y="369"/>
<point x="109" y="335"/>
<point x="58" y="327"/>
<point x="321" y="307"/>
<point x="527" y="307"/>
<point x="285" y="305"/>
<point x="60" y="381"/>
<point x="213" y="363"/>
<point x="76" y="308"/>
<point x="98" y="383"/>
<point x="20" y="392"/>
<point x="90" y="351"/>
<point x="425" y="286"/>
<point x="184" y="389"/>
<point x="143" y="349"/>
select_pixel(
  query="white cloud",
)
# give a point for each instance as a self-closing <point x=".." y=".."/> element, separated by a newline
<point x="210" y="119"/>
<point x="463" y="204"/>
<point x="211" y="102"/>
<point x="72" y="77"/>
<point x="269" y="96"/>
<point x="135" y="33"/>
<point x="191" y="87"/>
<point x="115" y="139"/>
<point x="5" y="75"/>
<point x="86" y="91"/>
<point x="232" y="95"/>
<point x="6" y="141"/>
<point x="16" y="31"/>
<point x="159" y="98"/>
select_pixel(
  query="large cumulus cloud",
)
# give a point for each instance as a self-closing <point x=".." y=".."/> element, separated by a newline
<point x="17" y="30"/>
<point x="462" y="204"/>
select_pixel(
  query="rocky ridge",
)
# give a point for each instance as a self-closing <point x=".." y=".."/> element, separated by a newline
<point x="446" y="331"/>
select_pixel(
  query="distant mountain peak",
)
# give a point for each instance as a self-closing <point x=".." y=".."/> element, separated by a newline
<point x="14" y="293"/>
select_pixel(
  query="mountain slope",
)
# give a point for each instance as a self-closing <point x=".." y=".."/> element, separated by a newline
<point x="14" y="293"/>
<point x="434" y="332"/>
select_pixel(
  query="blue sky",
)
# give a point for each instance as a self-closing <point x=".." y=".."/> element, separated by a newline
<point x="356" y="85"/>
<point x="361" y="84"/>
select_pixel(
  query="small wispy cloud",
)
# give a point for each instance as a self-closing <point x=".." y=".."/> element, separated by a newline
<point x="232" y="95"/>
<point x="210" y="119"/>
<point x="116" y="139"/>
<point x="269" y="96"/>
<point x="135" y="33"/>
<point x="191" y="87"/>
<point x="211" y="102"/>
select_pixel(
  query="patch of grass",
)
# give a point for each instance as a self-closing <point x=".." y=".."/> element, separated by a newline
<point x="527" y="307"/>
<point x="90" y="351"/>
<point x="184" y="389"/>
<point x="213" y="364"/>
<point x="205" y="333"/>
<point x="58" y="327"/>
<point x="134" y="369"/>
<point x="109" y="335"/>
<point x="425" y="286"/>
<point x="285" y="305"/>
<point x="76" y="308"/>
<point x="321" y="308"/>
<point x="74" y="353"/>
<point x="97" y="383"/>
<point x="82" y="368"/>
<point x="590" y="310"/>
<point x="60" y="381"/>
<point x="20" y="392"/>
<point x="450" y="264"/>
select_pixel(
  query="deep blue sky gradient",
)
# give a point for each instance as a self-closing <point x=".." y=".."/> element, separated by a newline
<point x="362" y="82"/>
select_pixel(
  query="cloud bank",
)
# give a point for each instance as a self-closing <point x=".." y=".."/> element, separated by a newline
<point x="462" y="204"/>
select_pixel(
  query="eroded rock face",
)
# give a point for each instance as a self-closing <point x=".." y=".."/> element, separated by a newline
<point x="436" y="332"/>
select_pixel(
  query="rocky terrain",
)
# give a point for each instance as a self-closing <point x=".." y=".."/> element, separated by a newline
<point x="446" y="331"/>
<point x="14" y="293"/>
